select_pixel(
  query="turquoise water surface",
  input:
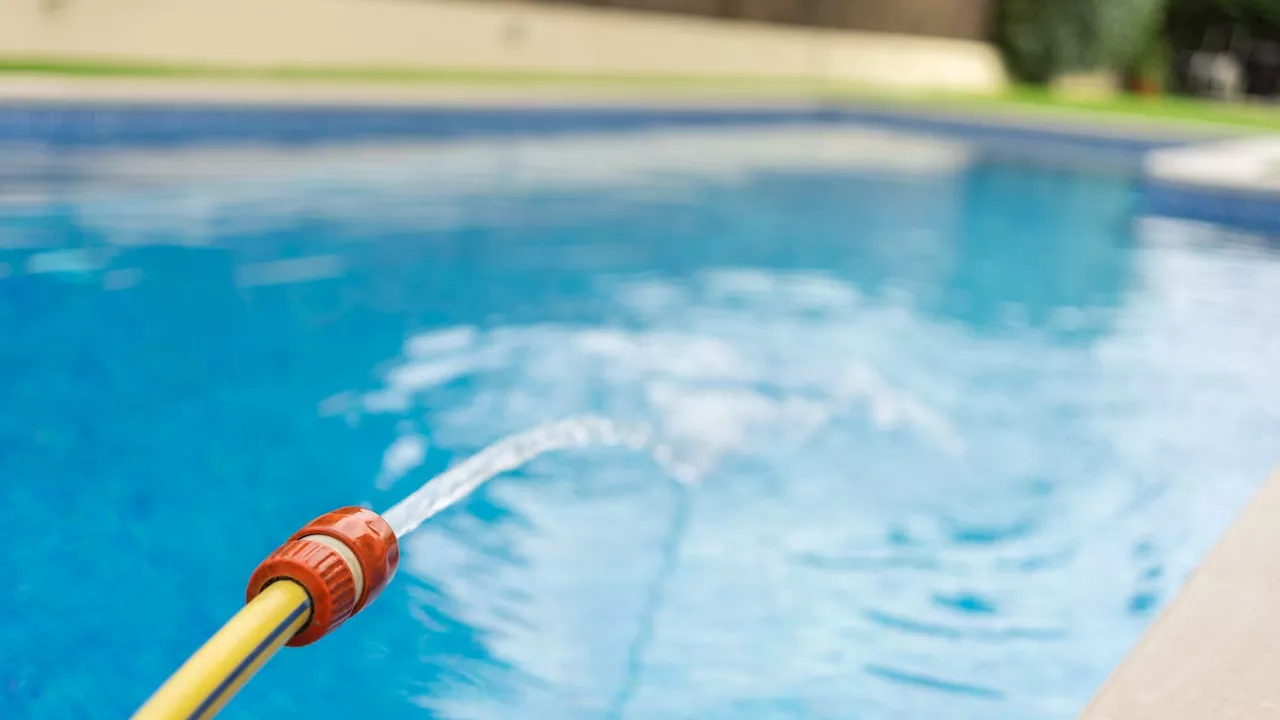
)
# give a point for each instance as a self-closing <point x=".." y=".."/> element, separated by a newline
<point x="934" y="434"/>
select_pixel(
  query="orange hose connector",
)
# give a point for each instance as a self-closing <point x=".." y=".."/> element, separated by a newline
<point x="326" y="572"/>
<point x="343" y="559"/>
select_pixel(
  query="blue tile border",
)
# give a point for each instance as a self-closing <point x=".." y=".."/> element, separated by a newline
<point x="1116" y="153"/>
<point x="1242" y="210"/>
<point x="975" y="130"/>
<point x="86" y="124"/>
<point x="77" y="124"/>
<point x="66" y="123"/>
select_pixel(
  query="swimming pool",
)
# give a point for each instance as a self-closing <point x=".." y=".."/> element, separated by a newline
<point x="939" y="431"/>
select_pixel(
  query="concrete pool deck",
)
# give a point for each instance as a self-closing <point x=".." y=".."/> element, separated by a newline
<point x="1215" y="651"/>
<point x="1240" y="165"/>
<point x="284" y="93"/>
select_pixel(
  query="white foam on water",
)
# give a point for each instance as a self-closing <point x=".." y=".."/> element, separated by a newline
<point x="407" y="452"/>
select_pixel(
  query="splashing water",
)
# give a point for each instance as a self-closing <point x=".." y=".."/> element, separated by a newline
<point x="506" y="455"/>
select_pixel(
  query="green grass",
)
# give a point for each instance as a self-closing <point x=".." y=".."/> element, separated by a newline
<point x="524" y="78"/>
<point x="1163" y="108"/>
<point x="1019" y="100"/>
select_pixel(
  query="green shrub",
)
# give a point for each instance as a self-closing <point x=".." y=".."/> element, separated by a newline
<point x="1045" y="38"/>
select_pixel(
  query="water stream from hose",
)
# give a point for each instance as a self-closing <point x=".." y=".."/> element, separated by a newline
<point x="506" y="455"/>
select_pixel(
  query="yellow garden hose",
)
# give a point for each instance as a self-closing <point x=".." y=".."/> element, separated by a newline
<point x="207" y="680"/>
<point x="327" y="571"/>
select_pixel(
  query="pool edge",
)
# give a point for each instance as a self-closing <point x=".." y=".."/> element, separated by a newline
<point x="1214" y="652"/>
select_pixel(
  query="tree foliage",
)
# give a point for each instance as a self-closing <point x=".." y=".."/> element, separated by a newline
<point x="1045" y="38"/>
<point x="1189" y="20"/>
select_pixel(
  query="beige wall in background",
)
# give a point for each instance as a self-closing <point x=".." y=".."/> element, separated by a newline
<point x="967" y="19"/>
<point x="481" y="35"/>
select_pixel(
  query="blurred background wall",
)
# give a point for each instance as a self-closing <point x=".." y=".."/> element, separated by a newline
<point x="494" y="35"/>
<point x="966" y="19"/>
<point x="1227" y="49"/>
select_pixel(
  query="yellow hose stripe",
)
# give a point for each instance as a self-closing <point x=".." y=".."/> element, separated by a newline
<point x="218" y="669"/>
<point x="250" y="665"/>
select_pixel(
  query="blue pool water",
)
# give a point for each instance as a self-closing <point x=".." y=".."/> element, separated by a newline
<point x="935" y="433"/>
